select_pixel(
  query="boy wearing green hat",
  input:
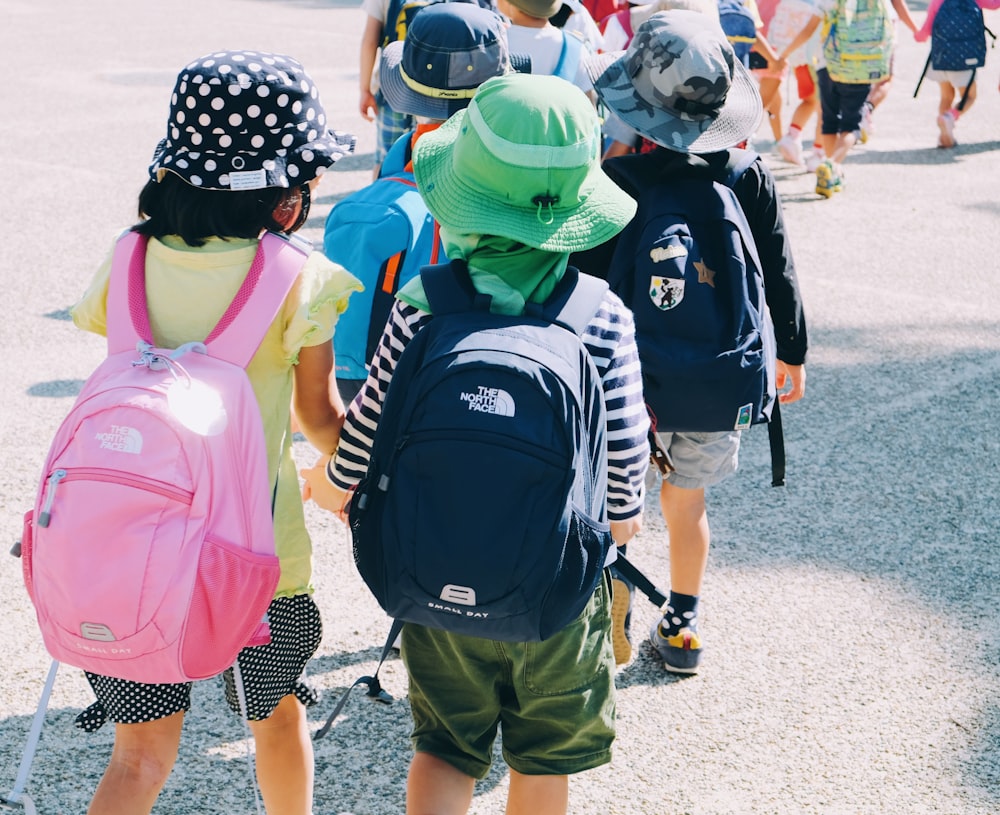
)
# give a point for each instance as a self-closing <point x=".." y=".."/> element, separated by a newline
<point x="515" y="183"/>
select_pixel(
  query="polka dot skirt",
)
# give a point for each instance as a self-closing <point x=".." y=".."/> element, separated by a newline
<point x="270" y="672"/>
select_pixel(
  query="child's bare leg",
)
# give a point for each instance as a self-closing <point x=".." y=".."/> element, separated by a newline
<point x="687" y="526"/>
<point x="947" y="97"/>
<point x="434" y="787"/>
<point x="537" y="794"/>
<point x="141" y="760"/>
<point x="970" y="99"/>
<point x="285" y="759"/>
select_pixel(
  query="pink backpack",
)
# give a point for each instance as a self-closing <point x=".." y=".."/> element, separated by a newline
<point x="149" y="554"/>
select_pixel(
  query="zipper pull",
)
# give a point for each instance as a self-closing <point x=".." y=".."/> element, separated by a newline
<point x="50" y="495"/>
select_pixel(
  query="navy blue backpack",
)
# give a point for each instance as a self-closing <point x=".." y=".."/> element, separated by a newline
<point x="483" y="508"/>
<point x="958" y="36"/>
<point x="688" y="268"/>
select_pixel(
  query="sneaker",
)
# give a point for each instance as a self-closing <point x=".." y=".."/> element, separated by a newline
<point x="828" y="179"/>
<point x="946" y="124"/>
<point x="622" y="595"/>
<point x="814" y="159"/>
<point x="680" y="652"/>
<point x="790" y="149"/>
<point x="867" y="129"/>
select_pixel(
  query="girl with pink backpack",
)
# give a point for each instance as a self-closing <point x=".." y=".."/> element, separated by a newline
<point x="246" y="143"/>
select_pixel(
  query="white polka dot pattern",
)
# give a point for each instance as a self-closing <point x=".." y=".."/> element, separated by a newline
<point x="270" y="672"/>
<point x="234" y="114"/>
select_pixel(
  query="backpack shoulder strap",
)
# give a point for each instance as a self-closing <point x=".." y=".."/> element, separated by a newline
<point x="242" y="327"/>
<point x="127" y="316"/>
<point x="274" y="269"/>
<point x="573" y="302"/>
<point x="449" y="289"/>
<point x="569" y="56"/>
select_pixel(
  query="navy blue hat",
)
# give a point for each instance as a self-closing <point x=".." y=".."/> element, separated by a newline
<point x="449" y="51"/>
<point x="245" y="120"/>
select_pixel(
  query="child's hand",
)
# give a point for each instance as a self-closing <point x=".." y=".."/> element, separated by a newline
<point x="792" y="376"/>
<point x="921" y="35"/>
<point x="318" y="487"/>
<point x="623" y="531"/>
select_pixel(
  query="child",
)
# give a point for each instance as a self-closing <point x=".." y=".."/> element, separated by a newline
<point x="552" y="50"/>
<point x="665" y="101"/>
<point x="378" y="32"/>
<point x="845" y="80"/>
<point x="790" y="17"/>
<point x="247" y="140"/>
<point x="954" y="84"/>
<point x="424" y="76"/>
<point x="513" y="216"/>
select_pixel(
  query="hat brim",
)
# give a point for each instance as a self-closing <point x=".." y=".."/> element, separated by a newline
<point x="737" y="121"/>
<point x="403" y="99"/>
<point x="462" y="207"/>
<point x="309" y="161"/>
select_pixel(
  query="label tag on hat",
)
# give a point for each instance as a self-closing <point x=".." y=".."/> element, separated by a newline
<point x="248" y="180"/>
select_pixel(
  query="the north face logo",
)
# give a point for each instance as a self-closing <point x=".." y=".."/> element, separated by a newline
<point x="121" y="439"/>
<point x="490" y="400"/>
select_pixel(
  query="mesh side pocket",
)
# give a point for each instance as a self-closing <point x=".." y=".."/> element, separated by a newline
<point x="232" y="591"/>
<point x="27" y="550"/>
<point x="582" y="567"/>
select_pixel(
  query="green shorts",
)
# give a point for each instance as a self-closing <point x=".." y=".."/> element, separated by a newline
<point x="555" y="700"/>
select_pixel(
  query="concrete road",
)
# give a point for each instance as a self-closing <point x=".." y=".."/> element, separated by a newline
<point x="851" y="618"/>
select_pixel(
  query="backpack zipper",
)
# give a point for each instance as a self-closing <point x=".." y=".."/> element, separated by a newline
<point x="110" y="477"/>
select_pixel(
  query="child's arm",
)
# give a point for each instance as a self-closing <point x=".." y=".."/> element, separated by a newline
<point x="903" y="11"/>
<point x="371" y="38"/>
<point x="318" y="406"/>
<point x="763" y="47"/>
<point x="802" y="37"/>
<point x="925" y="30"/>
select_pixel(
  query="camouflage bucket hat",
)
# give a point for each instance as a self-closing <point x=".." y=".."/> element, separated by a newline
<point x="680" y="85"/>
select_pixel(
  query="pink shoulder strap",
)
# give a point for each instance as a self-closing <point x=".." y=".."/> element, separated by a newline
<point x="242" y="327"/>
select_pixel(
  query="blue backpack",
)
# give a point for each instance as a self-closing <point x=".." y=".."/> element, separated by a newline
<point x="958" y="36"/>
<point x="688" y="268"/>
<point x="483" y="508"/>
<point x="382" y="234"/>
<point x="740" y="28"/>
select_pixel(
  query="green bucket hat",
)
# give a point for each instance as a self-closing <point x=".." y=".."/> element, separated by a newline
<point x="523" y="161"/>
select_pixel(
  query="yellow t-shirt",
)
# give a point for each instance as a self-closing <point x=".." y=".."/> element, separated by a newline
<point x="188" y="289"/>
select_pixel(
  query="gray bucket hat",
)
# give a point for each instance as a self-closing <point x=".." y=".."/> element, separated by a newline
<point x="680" y="85"/>
<point x="449" y="51"/>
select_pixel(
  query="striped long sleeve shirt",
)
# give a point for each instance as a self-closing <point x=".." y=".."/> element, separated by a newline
<point x="610" y="339"/>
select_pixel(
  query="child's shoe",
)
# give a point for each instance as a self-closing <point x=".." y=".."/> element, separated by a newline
<point x="867" y="128"/>
<point x="622" y="595"/>
<point x="946" y="124"/>
<point x="680" y="652"/>
<point x="815" y="158"/>
<point x="791" y="149"/>
<point x="828" y="179"/>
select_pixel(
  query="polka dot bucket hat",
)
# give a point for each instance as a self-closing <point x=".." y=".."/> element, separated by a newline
<point x="245" y="120"/>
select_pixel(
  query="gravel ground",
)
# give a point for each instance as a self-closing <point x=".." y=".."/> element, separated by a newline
<point x="851" y="617"/>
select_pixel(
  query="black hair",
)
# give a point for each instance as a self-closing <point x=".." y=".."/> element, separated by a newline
<point x="171" y="206"/>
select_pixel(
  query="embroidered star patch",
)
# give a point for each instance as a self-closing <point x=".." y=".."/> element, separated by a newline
<point x="705" y="275"/>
